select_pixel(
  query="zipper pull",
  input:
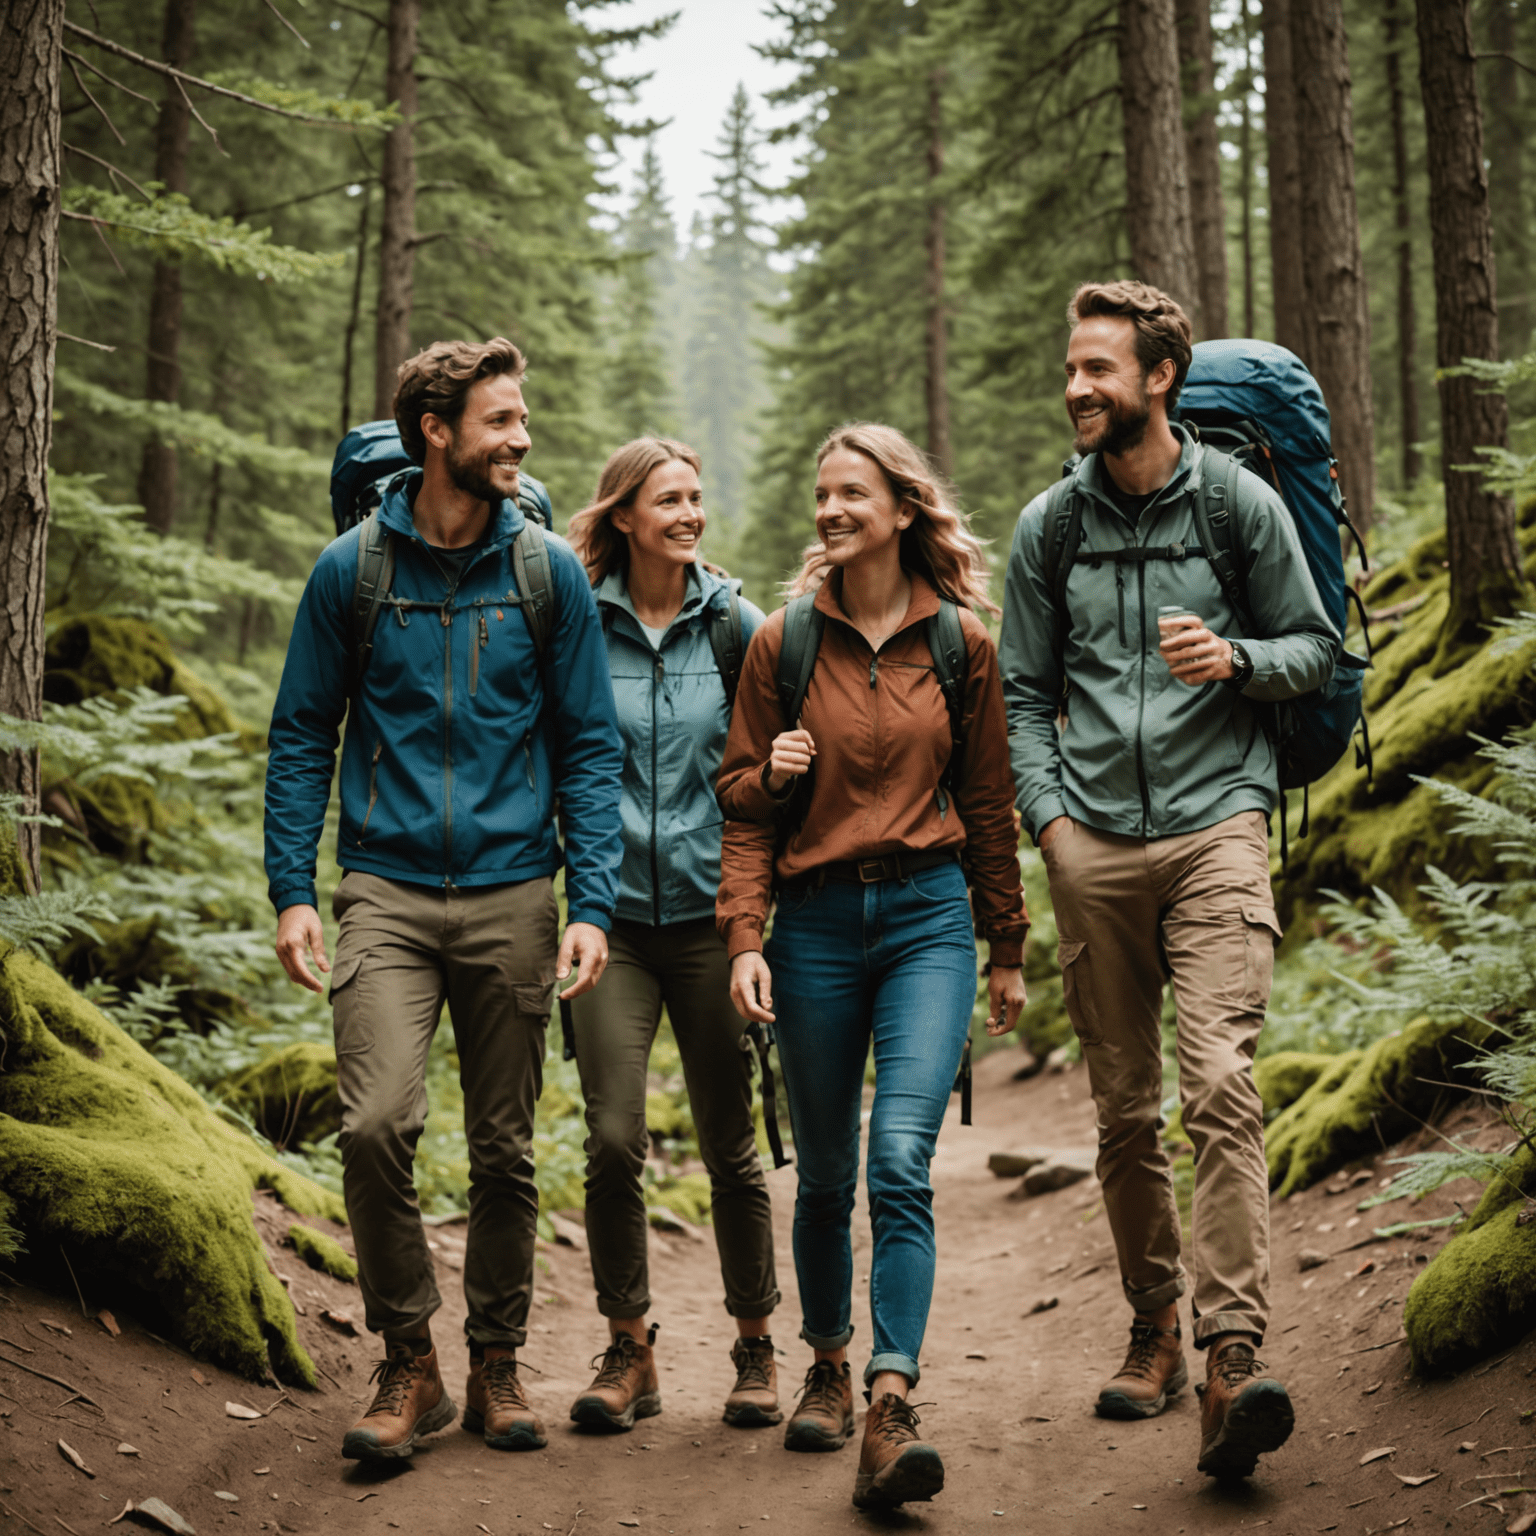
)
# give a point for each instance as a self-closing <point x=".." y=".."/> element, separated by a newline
<point x="446" y="615"/>
<point x="485" y="629"/>
<point x="1120" y="595"/>
<point x="874" y="667"/>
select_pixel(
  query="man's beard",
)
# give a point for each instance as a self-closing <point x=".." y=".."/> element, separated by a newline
<point x="1118" y="429"/>
<point x="473" y="477"/>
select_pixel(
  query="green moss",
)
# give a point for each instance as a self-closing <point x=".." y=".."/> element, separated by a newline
<point x="1365" y="1099"/>
<point x="109" y="1153"/>
<point x="688" y="1196"/>
<point x="667" y="1118"/>
<point x="1283" y="1077"/>
<point x="290" y="1097"/>
<point x="322" y="1252"/>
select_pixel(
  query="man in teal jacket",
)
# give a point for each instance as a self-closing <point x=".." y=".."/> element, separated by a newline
<point x="460" y="738"/>
<point x="1146" y="778"/>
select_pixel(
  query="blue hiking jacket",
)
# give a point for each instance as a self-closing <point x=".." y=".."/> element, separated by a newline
<point x="673" y="718"/>
<point x="460" y="741"/>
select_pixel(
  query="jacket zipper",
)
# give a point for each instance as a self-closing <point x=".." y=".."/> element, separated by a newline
<point x="1120" y="596"/>
<point x="1141" y="705"/>
<point x="657" y="672"/>
<point x="476" y="645"/>
<point x="448" y="744"/>
<point x="533" y="782"/>
<point x="373" y="791"/>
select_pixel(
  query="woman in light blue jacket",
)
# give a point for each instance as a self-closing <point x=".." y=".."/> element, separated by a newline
<point x="672" y="625"/>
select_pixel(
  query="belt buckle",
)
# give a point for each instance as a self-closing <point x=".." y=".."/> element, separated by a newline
<point x="877" y="865"/>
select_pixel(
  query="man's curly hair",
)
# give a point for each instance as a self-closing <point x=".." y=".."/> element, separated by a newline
<point x="438" y="380"/>
<point x="1162" y="328"/>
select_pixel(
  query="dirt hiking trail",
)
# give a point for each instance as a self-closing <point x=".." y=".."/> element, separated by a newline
<point x="1011" y="1394"/>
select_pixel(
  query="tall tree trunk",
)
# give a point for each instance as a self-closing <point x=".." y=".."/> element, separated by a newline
<point x="30" y="31"/>
<point x="1486" y="576"/>
<point x="158" y="468"/>
<point x="1506" y="180"/>
<point x="1208" y="216"/>
<point x="360" y="256"/>
<point x="1156" y="173"/>
<point x="937" y="381"/>
<point x="1287" y="289"/>
<point x="397" y="235"/>
<point x="1338" y="320"/>
<point x="1245" y="172"/>
<point x="1407" y="327"/>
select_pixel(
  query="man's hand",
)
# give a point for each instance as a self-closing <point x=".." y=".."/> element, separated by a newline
<point x="298" y="929"/>
<point x="1051" y="831"/>
<point x="752" y="987"/>
<point x="1196" y="656"/>
<point x="1006" y="996"/>
<point x="586" y="945"/>
<point x="790" y="758"/>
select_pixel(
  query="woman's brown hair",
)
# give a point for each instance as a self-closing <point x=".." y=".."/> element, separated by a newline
<point x="600" y="546"/>
<point x="938" y="545"/>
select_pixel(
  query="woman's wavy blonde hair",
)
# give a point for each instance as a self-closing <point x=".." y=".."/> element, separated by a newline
<point x="600" y="546"/>
<point x="939" y="544"/>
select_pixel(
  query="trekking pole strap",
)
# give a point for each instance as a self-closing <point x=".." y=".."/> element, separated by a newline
<point x="759" y="1039"/>
<point x="963" y="1083"/>
<point x="567" y="1032"/>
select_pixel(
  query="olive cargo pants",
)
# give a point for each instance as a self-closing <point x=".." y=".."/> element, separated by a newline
<point x="404" y="950"/>
<point x="1130" y="915"/>
<point x="684" y="965"/>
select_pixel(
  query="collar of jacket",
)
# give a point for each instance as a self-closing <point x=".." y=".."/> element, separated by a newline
<point x="923" y="605"/>
<point x="1092" y="477"/>
<point x="704" y="591"/>
<point x="395" y="513"/>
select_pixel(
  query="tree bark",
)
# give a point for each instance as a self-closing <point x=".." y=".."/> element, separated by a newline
<point x="1506" y="179"/>
<point x="397" y="234"/>
<point x="30" y="32"/>
<point x="1245" y="172"/>
<point x="936" y="384"/>
<point x="1486" y="575"/>
<point x="1407" y="319"/>
<point x="1208" y="216"/>
<point x="1156" y="173"/>
<point x="158" y="467"/>
<point x="1287" y="289"/>
<point x="360" y="256"/>
<point x="1338" y="321"/>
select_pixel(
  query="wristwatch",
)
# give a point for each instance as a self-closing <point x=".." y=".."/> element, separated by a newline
<point x="1242" y="667"/>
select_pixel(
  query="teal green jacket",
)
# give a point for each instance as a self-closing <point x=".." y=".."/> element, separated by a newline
<point x="1138" y="752"/>
<point x="673" y="721"/>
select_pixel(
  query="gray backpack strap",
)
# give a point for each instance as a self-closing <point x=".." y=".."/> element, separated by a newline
<point x="1215" y="510"/>
<point x="1063" y="535"/>
<point x="375" y="576"/>
<point x="535" y="578"/>
<point x="797" y="660"/>
<point x="946" y="642"/>
<point x="725" y="641"/>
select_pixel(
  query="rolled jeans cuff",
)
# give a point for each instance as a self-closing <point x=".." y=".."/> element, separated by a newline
<point x="623" y="1311"/>
<point x="905" y="1365"/>
<point x="831" y="1341"/>
<point x="757" y="1309"/>
<point x="1156" y="1297"/>
<point x="1214" y="1323"/>
<point x="511" y="1338"/>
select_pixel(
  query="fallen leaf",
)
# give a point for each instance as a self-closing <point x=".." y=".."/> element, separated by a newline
<point x="1138" y="1506"/>
<point x="127" y="1450"/>
<point x="240" y="1411"/>
<point x="1416" y="1482"/>
<point x="164" y="1516"/>
<point x="341" y="1322"/>
<point x="1367" y="1391"/>
<point x="484" y="1528"/>
<point x="48" y="1322"/>
<point x="122" y="1514"/>
<point x="1367" y="1268"/>
<point x="261" y="1471"/>
<point x="74" y="1458"/>
<point x="108" y="1322"/>
<point x="360" y="1497"/>
<point x="198" y="1377"/>
<point x="229" y="1498"/>
<point x="1521" y="1523"/>
<point x="1045" y="1304"/>
<point x="634" y="1523"/>
<point x="1467" y="1445"/>
<point x="1377" y="1454"/>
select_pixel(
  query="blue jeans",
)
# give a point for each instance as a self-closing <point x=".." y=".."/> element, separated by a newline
<point x="895" y="960"/>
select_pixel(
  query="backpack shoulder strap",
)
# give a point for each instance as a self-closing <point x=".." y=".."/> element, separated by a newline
<point x="375" y="576"/>
<point x="531" y="505"/>
<point x="1063" y="535"/>
<point x="535" y="578"/>
<point x="946" y="642"/>
<point x="1215" y="508"/>
<point x="797" y="659"/>
<point x="725" y="642"/>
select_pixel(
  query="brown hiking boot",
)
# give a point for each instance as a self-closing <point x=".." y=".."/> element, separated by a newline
<point x="1154" y="1371"/>
<point x="824" y="1419"/>
<point x="496" y="1405"/>
<point x="895" y="1467"/>
<point x="1244" y="1413"/>
<point x="410" y="1402"/>
<point x="754" y="1400"/>
<point x="625" y="1387"/>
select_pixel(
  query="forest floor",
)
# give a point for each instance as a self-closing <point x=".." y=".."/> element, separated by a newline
<point x="1011" y="1393"/>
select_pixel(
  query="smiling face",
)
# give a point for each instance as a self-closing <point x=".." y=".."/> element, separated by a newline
<point x="857" y="513"/>
<point x="665" y="521"/>
<point x="483" y="450"/>
<point x="1109" y="398"/>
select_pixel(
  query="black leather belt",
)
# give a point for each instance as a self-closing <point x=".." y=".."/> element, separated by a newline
<point x="890" y="866"/>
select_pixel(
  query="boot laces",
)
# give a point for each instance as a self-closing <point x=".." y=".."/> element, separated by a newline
<point x="395" y="1375"/>
<point x="821" y="1389"/>
<point x="1140" y="1358"/>
<point x="502" y="1384"/>
<point x="1237" y="1364"/>
<point x="614" y="1364"/>
<point x="898" y="1421"/>
<point x="753" y="1362"/>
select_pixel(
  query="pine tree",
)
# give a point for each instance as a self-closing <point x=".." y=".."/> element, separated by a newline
<point x="1208" y="218"/>
<point x="637" y="384"/>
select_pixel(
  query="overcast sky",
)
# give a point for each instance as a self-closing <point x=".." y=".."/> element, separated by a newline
<point x="694" y="69"/>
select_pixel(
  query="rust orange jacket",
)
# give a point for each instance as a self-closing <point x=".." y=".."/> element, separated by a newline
<point x="883" y="741"/>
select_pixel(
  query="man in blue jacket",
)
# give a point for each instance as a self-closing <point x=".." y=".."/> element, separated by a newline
<point x="460" y="740"/>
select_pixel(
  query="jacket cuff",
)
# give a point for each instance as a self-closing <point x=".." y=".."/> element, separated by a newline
<point x="599" y="917"/>
<point x="1007" y="953"/>
<point x="1041" y="813"/>
<point x="755" y="801"/>
<point x="283" y="897"/>
<point x="743" y="936"/>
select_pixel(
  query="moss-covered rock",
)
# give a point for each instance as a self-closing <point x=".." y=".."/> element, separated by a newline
<point x="290" y="1097"/>
<point x="322" y="1252"/>
<point x="1283" y="1077"/>
<point x="108" y="1154"/>
<point x="667" y="1116"/>
<point x="1366" y="1099"/>
<point x="688" y="1195"/>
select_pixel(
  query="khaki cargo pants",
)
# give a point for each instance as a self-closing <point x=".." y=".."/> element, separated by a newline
<point x="1130" y="915"/>
<point x="403" y="951"/>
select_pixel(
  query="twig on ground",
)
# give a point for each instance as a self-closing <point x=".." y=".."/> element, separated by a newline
<point x="78" y="1292"/>
<point x="1371" y="1348"/>
<point x="58" y="1381"/>
<point x="574" y="1519"/>
<point x="14" y="1345"/>
<point x="1470" y="1422"/>
<point x="14" y="1516"/>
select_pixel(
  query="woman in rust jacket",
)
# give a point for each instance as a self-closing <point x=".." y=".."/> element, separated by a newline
<point x="847" y="822"/>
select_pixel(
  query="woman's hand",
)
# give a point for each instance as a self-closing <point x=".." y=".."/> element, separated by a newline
<point x="790" y="758"/>
<point x="752" y="987"/>
<point x="1005" y="998"/>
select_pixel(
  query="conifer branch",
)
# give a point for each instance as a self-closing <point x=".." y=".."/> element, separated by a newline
<point x="101" y="74"/>
<point x="109" y="168"/>
<point x="287" y="23"/>
<point x="69" y="59"/>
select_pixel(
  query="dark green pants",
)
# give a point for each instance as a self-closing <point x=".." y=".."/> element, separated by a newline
<point x="404" y="950"/>
<point x="685" y="966"/>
